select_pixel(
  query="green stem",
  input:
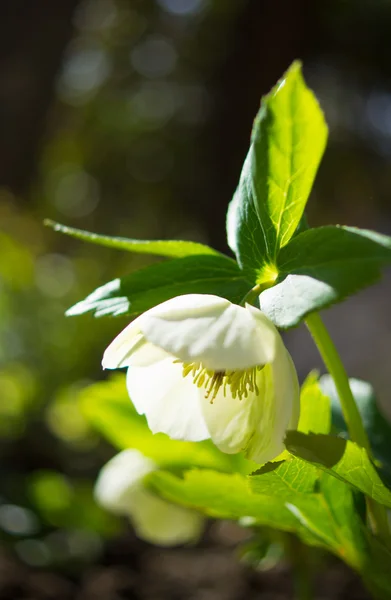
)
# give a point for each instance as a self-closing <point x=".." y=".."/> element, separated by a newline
<point x="376" y="512"/>
<point x="253" y="294"/>
<point x="334" y="365"/>
<point x="302" y="567"/>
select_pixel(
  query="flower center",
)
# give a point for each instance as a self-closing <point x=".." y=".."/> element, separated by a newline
<point x="240" y="381"/>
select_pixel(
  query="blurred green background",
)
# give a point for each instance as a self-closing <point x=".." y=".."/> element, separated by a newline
<point x="132" y="117"/>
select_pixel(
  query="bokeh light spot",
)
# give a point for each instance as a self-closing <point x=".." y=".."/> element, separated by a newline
<point x="84" y="72"/>
<point x="54" y="275"/>
<point x="17" y="520"/>
<point x="153" y="104"/>
<point x="33" y="552"/>
<point x="154" y="57"/>
<point x="182" y="7"/>
<point x="76" y="194"/>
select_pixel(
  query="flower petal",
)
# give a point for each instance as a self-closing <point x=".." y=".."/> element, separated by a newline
<point x="159" y="522"/>
<point x="208" y="329"/>
<point x="169" y="401"/>
<point x="257" y="424"/>
<point x="120" y="478"/>
<point x="131" y="348"/>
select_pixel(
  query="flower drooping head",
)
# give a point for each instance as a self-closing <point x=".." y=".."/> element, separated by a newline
<point x="120" y="490"/>
<point x="201" y="367"/>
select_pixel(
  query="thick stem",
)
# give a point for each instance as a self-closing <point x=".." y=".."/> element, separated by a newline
<point x="376" y="512"/>
<point x="336" y="369"/>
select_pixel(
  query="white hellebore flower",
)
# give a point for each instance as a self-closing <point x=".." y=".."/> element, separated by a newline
<point x="120" y="490"/>
<point x="201" y="367"/>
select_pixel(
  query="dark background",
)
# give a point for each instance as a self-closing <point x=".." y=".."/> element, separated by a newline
<point x="132" y="117"/>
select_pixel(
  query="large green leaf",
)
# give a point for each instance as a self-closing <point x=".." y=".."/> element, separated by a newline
<point x="288" y="141"/>
<point x="172" y="248"/>
<point x="107" y="407"/>
<point x="375" y="424"/>
<point x="230" y="496"/>
<point x="227" y="496"/>
<point x="322" y="266"/>
<point x="341" y="458"/>
<point x="143" y="289"/>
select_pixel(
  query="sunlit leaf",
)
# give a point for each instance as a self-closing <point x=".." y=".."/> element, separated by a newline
<point x="285" y="479"/>
<point x="341" y="458"/>
<point x="172" y="248"/>
<point x="288" y="140"/>
<point x="223" y="496"/>
<point x="143" y="289"/>
<point x="338" y="498"/>
<point x="315" y="410"/>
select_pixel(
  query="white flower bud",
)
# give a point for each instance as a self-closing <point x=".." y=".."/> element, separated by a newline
<point x="120" y="490"/>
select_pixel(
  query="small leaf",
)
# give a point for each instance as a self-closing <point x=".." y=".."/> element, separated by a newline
<point x="173" y="248"/>
<point x="322" y="266"/>
<point x="143" y="289"/>
<point x="107" y="407"/>
<point x="341" y="458"/>
<point x="315" y="412"/>
<point x="288" y="141"/>
<point x="375" y="424"/>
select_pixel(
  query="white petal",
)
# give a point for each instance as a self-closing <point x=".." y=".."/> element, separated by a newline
<point x="257" y="424"/>
<point x="131" y="348"/>
<point x="169" y="401"/>
<point x="208" y="329"/>
<point x="159" y="522"/>
<point x="120" y="479"/>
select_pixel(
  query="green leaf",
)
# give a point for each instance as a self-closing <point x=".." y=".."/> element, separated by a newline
<point x="315" y="411"/>
<point x="223" y="496"/>
<point x="339" y="502"/>
<point x="288" y="140"/>
<point x="143" y="289"/>
<point x="230" y="496"/>
<point x="322" y="266"/>
<point x="173" y="248"/>
<point x="341" y="458"/>
<point x="284" y="479"/>
<point x="375" y="424"/>
<point x="107" y="407"/>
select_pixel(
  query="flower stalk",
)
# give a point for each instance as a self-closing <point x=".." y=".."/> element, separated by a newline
<point x="377" y="514"/>
<point x="333" y="362"/>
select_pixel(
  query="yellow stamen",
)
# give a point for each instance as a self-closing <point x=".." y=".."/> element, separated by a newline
<point x="240" y="382"/>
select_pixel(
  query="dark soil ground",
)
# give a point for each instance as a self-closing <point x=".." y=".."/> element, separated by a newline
<point x="132" y="570"/>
